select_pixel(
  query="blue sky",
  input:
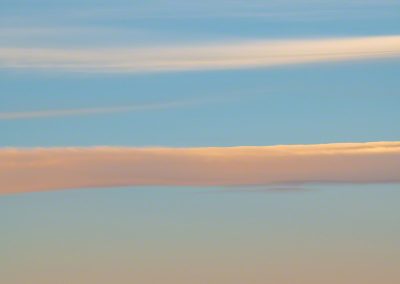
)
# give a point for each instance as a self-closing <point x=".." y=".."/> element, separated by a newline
<point x="314" y="233"/>
<point x="308" y="104"/>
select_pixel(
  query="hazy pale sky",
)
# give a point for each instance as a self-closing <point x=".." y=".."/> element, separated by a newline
<point x="222" y="141"/>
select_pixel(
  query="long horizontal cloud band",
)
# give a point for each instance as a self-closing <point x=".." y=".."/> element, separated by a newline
<point x="202" y="57"/>
<point x="40" y="169"/>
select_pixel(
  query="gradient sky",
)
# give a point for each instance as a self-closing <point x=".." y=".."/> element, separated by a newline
<point x="289" y="233"/>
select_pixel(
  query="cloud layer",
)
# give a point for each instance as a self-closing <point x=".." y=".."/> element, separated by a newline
<point x="42" y="169"/>
<point x="202" y="57"/>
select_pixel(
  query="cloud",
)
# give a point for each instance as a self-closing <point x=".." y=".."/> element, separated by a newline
<point x="88" y="111"/>
<point x="42" y="169"/>
<point x="202" y="57"/>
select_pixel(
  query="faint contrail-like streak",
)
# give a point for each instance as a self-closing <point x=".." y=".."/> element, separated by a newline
<point x="89" y="111"/>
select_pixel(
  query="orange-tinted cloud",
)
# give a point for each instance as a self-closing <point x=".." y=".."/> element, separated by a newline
<point x="40" y="169"/>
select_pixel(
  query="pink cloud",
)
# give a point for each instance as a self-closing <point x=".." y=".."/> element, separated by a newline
<point x="42" y="169"/>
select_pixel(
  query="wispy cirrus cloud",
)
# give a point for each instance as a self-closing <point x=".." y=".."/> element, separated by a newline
<point x="41" y="169"/>
<point x="202" y="57"/>
<point x="91" y="111"/>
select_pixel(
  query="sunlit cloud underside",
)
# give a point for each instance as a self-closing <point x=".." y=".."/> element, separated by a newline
<point x="42" y="169"/>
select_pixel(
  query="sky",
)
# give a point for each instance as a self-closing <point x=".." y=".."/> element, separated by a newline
<point x="222" y="141"/>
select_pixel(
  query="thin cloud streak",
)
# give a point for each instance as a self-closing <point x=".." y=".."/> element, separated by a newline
<point x="202" y="57"/>
<point x="43" y="169"/>
<point x="89" y="111"/>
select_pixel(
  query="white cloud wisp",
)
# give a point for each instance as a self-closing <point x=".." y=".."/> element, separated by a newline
<point x="208" y="56"/>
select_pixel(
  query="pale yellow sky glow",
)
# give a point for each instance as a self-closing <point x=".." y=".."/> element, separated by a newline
<point x="42" y="169"/>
